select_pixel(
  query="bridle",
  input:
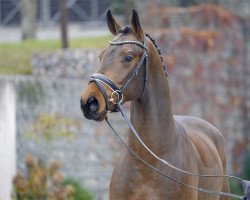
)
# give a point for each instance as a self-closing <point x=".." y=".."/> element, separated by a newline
<point x="100" y="80"/>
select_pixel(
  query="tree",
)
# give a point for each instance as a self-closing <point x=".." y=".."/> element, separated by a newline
<point x="63" y="22"/>
<point x="28" y="20"/>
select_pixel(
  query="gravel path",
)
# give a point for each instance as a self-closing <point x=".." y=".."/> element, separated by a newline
<point x="13" y="34"/>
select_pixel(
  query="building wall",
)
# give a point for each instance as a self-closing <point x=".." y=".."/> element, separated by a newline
<point x="89" y="155"/>
<point x="7" y="138"/>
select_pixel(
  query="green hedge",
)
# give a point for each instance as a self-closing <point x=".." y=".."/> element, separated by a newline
<point x="80" y="193"/>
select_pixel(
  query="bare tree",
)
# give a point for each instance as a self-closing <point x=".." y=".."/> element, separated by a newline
<point x="63" y="22"/>
<point x="127" y="10"/>
<point x="28" y="20"/>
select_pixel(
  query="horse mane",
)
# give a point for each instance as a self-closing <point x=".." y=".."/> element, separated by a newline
<point x="159" y="52"/>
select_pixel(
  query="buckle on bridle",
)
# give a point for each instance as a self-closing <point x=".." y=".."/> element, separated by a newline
<point x="118" y="94"/>
<point x="115" y="101"/>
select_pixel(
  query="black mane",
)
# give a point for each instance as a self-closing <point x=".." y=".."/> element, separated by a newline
<point x="159" y="52"/>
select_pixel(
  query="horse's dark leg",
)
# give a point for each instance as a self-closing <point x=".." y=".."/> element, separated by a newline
<point x="246" y="188"/>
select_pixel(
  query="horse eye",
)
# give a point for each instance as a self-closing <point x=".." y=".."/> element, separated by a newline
<point x="128" y="58"/>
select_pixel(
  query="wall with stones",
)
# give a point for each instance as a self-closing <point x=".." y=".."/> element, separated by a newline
<point x="55" y="89"/>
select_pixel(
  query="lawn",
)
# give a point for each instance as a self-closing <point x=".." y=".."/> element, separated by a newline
<point x="15" y="57"/>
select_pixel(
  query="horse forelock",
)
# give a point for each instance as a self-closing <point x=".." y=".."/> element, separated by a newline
<point x="125" y="30"/>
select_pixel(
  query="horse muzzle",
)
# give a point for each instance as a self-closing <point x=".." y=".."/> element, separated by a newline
<point x="90" y="109"/>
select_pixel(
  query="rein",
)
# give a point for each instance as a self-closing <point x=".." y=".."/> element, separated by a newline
<point x="100" y="79"/>
<point x="215" y="193"/>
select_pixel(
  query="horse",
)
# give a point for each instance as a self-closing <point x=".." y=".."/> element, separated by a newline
<point x="131" y="69"/>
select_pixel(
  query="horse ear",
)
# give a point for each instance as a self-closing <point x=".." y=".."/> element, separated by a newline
<point x="112" y="23"/>
<point x="135" y="22"/>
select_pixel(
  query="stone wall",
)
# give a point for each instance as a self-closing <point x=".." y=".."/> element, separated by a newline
<point x="206" y="49"/>
<point x="55" y="89"/>
<point x="75" y="64"/>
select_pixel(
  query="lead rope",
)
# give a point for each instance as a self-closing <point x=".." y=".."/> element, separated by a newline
<point x="216" y="193"/>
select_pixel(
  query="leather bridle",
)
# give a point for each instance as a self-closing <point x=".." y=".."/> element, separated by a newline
<point x="100" y="80"/>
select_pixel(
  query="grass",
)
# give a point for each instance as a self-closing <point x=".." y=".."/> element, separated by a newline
<point x="15" y="57"/>
<point x="235" y="187"/>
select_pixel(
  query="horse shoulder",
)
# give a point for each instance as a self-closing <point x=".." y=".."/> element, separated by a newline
<point x="207" y="140"/>
<point x="131" y="180"/>
<point x="127" y="180"/>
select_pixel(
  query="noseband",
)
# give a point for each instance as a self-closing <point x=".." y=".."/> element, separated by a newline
<point x="101" y="79"/>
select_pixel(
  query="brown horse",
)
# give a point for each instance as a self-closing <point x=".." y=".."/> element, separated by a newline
<point x="188" y="143"/>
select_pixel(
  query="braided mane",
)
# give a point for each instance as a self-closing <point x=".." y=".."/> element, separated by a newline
<point x="159" y="52"/>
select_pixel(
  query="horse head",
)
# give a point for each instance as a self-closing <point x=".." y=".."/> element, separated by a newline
<point x="120" y="75"/>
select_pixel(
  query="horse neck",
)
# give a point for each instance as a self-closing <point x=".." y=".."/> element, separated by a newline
<point x="151" y="114"/>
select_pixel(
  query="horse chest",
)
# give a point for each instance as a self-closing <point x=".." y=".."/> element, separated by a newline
<point x="131" y="181"/>
<point x="144" y="189"/>
<point x="134" y="188"/>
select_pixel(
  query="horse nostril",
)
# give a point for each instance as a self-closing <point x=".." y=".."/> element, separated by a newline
<point x="93" y="104"/>
<point x="84" y="107"/>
